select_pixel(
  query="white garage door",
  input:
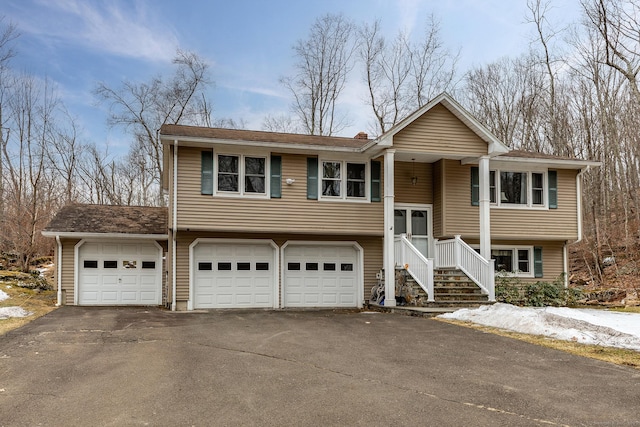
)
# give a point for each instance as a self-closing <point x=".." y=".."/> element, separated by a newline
<point x="320" y="276"/>
<point x="119" y="274"/>
<point x="233" y="275"/>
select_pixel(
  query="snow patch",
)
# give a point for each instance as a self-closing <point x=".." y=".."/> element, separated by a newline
<point x="3" y="296"/>
<point x="6" y="312"/>
<point x="587" y="326"/>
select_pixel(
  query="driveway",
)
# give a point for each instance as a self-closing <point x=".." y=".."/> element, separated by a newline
<point x="137" y="366"/>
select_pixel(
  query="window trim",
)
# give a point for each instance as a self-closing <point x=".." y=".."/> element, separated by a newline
<point x="514" y="260"/>
<point x="343" y="180"/>
<point x="242" y="175"/>
<point x="529" y="205"/>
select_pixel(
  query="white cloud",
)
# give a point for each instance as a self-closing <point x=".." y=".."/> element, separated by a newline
<point x="119" y="28"/>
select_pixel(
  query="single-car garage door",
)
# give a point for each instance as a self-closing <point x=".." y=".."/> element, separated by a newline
<point x="234" y="275"/>
<point x="320" y="276"/>
<point x="119" y="273"/>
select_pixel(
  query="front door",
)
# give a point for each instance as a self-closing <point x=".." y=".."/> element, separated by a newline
<point x="415" y="222"/>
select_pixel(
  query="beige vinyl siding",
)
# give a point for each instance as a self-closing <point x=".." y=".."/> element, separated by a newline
<point x="372" y="247"/>
<point x="439" y="131"/>
<point x="68" y="269"/>
<point x="460" y="217"/>
<point x="420" y="193"/>
<point x="291" y="213"/>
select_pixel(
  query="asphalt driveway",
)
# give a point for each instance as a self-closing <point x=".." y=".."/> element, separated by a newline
<point x="137" y="366"/>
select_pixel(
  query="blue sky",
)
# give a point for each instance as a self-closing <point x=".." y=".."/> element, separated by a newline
<point x="247" y="44"/>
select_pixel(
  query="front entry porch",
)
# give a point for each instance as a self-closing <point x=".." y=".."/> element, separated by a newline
<point x="456" y="275"/>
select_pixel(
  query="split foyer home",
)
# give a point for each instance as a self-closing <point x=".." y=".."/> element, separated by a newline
<point x="274" y="220"/>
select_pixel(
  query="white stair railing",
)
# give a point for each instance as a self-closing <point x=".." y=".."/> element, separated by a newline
<point x="410" y="258"/>
<point x="455" y="253"/>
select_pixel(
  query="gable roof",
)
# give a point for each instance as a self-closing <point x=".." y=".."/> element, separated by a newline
<point x="496" y="146"/>
<point x="262" y="138"/>
<point x="80" y="220"/>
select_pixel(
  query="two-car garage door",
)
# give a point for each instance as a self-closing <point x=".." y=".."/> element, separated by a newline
<point x="244" y="274"/>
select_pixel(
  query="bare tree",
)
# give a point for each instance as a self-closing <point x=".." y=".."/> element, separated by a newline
<point x="143" y="108"/>
<point x="279" y="123"/>
<point x="617" y="22"/>
<point x="402" y="76"/>
<point x="322" y="66"/>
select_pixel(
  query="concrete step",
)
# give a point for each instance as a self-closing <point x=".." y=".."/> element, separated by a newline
<point x="457" y="290"/>
<point x="459" y="297"/>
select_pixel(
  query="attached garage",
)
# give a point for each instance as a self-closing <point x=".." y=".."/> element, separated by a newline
<point x="233" y="274"/>
<point x="322" y="275"/>
<point x="119" y="273"/>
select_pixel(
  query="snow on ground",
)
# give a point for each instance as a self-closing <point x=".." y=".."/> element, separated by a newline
<point x="587" y="326"/>
<point x="6" y="312"/>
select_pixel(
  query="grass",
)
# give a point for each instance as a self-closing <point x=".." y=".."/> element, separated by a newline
<point x="36" y="301"/>
<point x="618" y="356"/>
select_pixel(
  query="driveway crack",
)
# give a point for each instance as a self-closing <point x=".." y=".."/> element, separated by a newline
<point x="388" y="384"/>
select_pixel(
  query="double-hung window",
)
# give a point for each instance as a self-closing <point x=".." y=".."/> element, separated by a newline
<point x="514" y="188"/>
<point x="343" y="180"/>
<point x="241" y="174"/>
<point x="513" y="260"/>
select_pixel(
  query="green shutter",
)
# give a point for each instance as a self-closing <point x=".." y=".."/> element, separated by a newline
<point x="375" y="181"/>
<point x="276" y="177"/>
<point x="552" y="177"/>
<point x="537" y="261"/>
<point x="312" y="178"/>
<point x="206" y="173"/>
<point x="475" y="186"/>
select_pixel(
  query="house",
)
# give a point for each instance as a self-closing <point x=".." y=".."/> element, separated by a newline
<point x="274" y="220"/>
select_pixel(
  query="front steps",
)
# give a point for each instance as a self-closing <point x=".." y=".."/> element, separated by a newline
<point x="451" y="289"/>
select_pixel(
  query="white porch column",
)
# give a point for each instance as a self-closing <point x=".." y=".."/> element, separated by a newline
<point x="485" y="215"/>
<point x="389" y="250"/>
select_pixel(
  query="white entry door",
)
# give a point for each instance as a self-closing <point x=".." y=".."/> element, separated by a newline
<point x="415" y="222"/>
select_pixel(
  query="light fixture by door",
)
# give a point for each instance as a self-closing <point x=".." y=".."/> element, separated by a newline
<point x="414" y="178"/>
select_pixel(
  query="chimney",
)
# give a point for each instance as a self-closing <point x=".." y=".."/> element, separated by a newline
<point x="361" y="135"/>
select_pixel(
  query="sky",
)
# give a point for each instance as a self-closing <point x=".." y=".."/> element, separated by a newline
<point x="248" y="45"/>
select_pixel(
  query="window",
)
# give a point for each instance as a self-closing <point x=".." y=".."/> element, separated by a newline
<point x="224" y="266"/>
<point x="346" y="267"/>
<point x="243" y="175"/>
<point x="244" y="266"/>
<point x="90" y="264"/>
<point x="516" y="261"/>
<point x="312" y="266"/>
<point x="110" y="264"/>
<point x="329" y="266"/>
<point x="331" y="179"/>
<point x="205" y="266"/>
<point x="150" y="265"/>
<point x="293" y="266"/>
<point x="517" y="188"/>
<point x="335" y="183"/>
<point x="130" y="264"/>
<point x="262" y="266"/>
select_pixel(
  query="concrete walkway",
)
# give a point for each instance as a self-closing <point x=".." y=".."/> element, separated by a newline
<point x="136" y="366"/>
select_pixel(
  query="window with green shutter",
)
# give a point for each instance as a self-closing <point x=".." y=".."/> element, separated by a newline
<point x="276" y="177"/>
<point x="206" y="173"/>
<point x="376" y="189"/>
<point x="475" y="186"/>
<point x="537" y="261"/>
<point x="312" y="178"/>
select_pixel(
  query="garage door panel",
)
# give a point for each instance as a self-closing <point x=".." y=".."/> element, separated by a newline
<point x="320" y="276"/>
<point x="111" y="274"/>
<point x="241" y="275"/>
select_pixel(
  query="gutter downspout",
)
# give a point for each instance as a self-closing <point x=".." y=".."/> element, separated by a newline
<point x="174" y="284"/>
<point x="565" y="254"/>
<point x="59" y="270"/>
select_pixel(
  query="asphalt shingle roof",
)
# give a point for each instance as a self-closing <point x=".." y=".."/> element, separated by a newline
<point x="79" y="218"/>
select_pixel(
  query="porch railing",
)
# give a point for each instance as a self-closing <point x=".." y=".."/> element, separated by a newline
<point x="410" y="258"/>
<point x="455" y="253"/>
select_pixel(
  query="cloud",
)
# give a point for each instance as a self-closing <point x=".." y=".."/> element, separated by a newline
<point x="120" y="28"/>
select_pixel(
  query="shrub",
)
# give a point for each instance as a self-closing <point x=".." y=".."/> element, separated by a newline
<point x="511" y="290"/>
